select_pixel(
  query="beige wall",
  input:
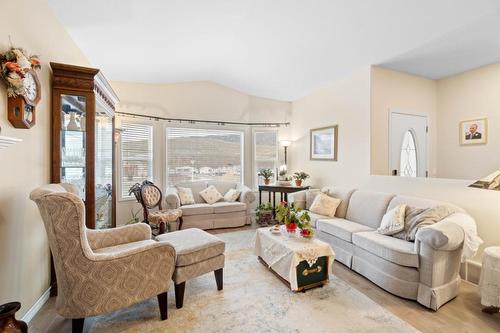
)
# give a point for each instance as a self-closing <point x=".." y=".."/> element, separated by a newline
<point x="471" y="95"/>
<point x="346" y="103"/>
<point x="401" y="92"/>
<point x="24" y="253"/>
<point x="194" y="100"/>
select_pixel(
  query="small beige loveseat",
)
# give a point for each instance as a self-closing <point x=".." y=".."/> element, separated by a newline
<point x="426" y="270"/>
<point x="212" y="216"/>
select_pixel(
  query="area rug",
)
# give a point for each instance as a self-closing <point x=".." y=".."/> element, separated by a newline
<point x="254" y="300"/>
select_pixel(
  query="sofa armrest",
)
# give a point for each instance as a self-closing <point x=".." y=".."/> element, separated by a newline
<point x="172" y="199"/>
<point x="247" y="196"/>
<point x="121" y="235"/>
<point x="298" y="198"/>
<point x="444" y="235"/>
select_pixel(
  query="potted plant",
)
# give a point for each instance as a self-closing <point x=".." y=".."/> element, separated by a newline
<point x="264" y="214"/>
<point x="293" y="217"/>
<point x="267" y="174"/>
<point x="299" y="177"/>
<point x="283" y="179"/>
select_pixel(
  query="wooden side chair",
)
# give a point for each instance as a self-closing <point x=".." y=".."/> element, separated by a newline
<point x="151" y="198"/>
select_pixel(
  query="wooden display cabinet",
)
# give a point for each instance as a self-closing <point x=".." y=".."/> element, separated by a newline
<point x="83" y="125"/>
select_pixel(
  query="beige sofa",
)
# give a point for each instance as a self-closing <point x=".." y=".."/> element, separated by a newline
<point x="426" y="270"/>
<point x="218" y="215"/>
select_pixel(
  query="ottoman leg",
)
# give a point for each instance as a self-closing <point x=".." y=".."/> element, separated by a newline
<point x="162" y="302"/>
<point x="219" y="278"/>
<point x="491" y="309"/>
<point x="179" y="294"/>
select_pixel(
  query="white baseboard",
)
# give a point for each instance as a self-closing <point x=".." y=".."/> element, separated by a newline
<point x="36" y="307"/>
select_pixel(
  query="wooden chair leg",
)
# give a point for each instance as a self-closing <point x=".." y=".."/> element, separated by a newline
<point x="77" y="325"/>
<point x="219" y="278"/>
<point x="179" y="294"/>
<point x="162" y="302"/>
<point x="180" y="223"/>
<point x="162" y="228"/>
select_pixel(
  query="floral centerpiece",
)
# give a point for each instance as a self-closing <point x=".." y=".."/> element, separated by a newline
<point x="14" y="64"/>
<point x="293" y="218"/>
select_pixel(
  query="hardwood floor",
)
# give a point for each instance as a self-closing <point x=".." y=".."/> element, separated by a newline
<point x="462" y="314"/>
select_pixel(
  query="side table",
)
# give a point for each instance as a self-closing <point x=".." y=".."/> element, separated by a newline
<point x="489" y="283"/>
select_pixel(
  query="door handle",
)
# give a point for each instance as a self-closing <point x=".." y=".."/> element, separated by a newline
<point x="395" y="172"/>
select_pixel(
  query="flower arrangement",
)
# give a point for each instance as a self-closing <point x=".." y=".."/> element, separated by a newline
<point x="299" y="177"/>
<point x="293" y="218"/>
<point x="14" y="64"/>
<point x="267" y="174"/>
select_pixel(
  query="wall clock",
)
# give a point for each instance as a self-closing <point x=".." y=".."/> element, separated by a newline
<point x="21" y="109"/>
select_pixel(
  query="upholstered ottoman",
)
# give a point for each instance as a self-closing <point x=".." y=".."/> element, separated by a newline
<point x="198" y="253"/>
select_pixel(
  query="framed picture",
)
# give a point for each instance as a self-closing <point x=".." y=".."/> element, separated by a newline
<point x="474" y="132"/>
<point x="324" y="143"/>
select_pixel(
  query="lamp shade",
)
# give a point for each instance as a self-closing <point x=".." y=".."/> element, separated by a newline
<point x="285" y="143"/>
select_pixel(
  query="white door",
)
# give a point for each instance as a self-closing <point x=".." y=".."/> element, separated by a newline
<point x="408" y="145"/>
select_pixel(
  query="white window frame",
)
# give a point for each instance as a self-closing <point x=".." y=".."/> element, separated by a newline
<point x="202" y="127"/>
<point x="119" y="154"/>
<point x="255" y="178"/>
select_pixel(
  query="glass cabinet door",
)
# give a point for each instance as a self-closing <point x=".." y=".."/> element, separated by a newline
<point x="73" y="141"/>
<point x="103" y="168"/>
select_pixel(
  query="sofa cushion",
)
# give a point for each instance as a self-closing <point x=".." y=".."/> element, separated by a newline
<point x="232" y="195"/>
<point x="368" y="207"/>
<point x="325" y="205"/>
<point x="341" y="228"/>
<point x="341" y="193"/>
<point x="197" y="209"/>
<point x="315" y="217"/>
<point x="193" y="245"/>
<point x="228" y="207"/>
<point x="211" y="195"/>
<point x="412" y="202"/>
<point x="389" y="248"/>
<point x="185" y="195"/>
<point x="196" y="187"/>
<point x="222" y="187"/>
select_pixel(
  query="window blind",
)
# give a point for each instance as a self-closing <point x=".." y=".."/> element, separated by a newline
<point x="195" y="154"/>
<point x="265" y="152"/>
<point x="136" y="155"/>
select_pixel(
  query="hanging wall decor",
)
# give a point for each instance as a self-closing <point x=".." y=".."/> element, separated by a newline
<point x="17" y="71"/>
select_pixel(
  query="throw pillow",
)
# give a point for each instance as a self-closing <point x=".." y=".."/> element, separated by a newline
<point x="186" y="195"/>
<point x="232" y="195"/>
<point x="393" y="221"/>
<point x="310" y="196"/>
<point x="325" y="205"/>
<point x="211" y="195"/>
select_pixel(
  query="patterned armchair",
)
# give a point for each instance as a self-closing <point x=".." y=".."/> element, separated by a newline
<point x="99" y="271"/>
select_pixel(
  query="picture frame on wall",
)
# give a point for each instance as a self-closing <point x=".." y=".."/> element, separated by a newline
<point x="473" y="132"/>
<point x="324" y="143"/>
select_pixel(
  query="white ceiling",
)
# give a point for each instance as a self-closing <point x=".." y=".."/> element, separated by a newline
<point x="469" y="47"/>
<point x="279" y="49"/>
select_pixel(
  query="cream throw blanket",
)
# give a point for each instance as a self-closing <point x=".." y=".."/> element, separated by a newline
<point x="416" y="218"/>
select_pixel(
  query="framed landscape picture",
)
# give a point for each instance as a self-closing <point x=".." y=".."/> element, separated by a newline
<point x="324" y="143"/>
<point x="474" y="132"/>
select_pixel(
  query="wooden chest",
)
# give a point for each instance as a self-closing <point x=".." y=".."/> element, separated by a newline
<point x="314" y="276"/>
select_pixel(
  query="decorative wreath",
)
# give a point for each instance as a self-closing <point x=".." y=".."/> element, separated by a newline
<point x="14" y="64"/>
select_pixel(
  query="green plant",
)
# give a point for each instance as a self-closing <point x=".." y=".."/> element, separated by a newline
<point x="282" y="173"/>
<point x="289" y="214"/>
<point x="266" y="173"/>
<point x="135" y="216"/>
<point x="301" y="175"/>
<point x="264" y="213"/>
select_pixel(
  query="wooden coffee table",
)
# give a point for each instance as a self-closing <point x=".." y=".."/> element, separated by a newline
<point x="301" y="264"/>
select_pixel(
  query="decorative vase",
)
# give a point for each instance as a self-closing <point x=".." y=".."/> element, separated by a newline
<point x="267" y="181"/>
<point x="291" y="227"/>
<point x="72" y="125"/>
<point x="298" y="182"/>
<point x="8" y="321"/>
<point x="82" y="122"/>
